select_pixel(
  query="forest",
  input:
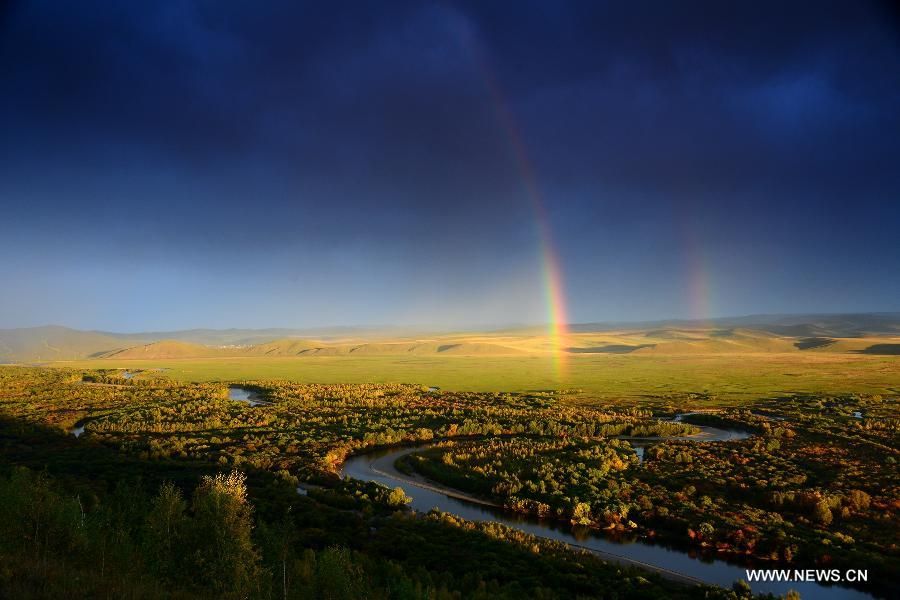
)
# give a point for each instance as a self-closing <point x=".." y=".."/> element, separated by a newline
<point x="176" y="490"/>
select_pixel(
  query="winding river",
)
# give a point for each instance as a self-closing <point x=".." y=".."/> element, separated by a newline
<point x="679" y="565"/>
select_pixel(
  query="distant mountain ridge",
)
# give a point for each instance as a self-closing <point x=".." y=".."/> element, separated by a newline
<point x="826" y="324"/>
<point x="247" y="337"/>
<point x="867" y="333"/>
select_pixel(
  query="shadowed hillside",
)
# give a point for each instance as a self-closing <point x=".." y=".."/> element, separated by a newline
<point x="56" y="343"/>
<point x="609" y="349"/>
<point x="882" y="349"/>
<point x="813" y="343"/>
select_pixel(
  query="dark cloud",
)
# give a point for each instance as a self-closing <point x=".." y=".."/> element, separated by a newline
<point x="151" y="130"/>
<point x="389" y="92"/>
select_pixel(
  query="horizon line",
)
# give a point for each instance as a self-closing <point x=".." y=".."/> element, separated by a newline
<point x="475" y="327"/>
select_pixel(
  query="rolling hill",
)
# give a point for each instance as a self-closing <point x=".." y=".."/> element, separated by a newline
<point x="167" y="349"/>
<point x="283" y="347"/>
<point x="877" y="334"/>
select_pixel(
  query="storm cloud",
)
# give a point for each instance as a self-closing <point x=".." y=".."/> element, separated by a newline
<point x="300" y="164"/>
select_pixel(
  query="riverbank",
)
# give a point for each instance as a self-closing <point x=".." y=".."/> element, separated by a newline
<point x="681" y="565"/>
<point x="385" y="466"/>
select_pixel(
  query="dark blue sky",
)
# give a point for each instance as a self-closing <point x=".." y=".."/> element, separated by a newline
<point x="176" y="164"/>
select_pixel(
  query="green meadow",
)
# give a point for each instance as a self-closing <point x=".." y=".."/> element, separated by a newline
<point x="725" y="378"/>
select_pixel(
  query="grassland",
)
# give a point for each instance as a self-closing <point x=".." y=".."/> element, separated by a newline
<point x="718" y="378"/>
<point x="722" y="364"/>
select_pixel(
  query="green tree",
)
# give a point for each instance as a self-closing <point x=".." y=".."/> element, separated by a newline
<point x="338" y="576"/>
<point x="822" y="513"/>
<point x="224" y="554"/>
<point x="581" y="514"/>
<point x="398" y="497"/>
<point x="165" y="528"/>
<point x="741" y="588"/>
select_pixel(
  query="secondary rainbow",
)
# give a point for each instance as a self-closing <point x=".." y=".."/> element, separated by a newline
<point x="699" y="292"/>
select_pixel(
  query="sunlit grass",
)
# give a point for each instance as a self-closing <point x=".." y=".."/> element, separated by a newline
<point x="730" y="377"/>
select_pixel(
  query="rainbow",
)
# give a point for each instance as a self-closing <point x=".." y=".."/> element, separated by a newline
<point x="554" y="287"/>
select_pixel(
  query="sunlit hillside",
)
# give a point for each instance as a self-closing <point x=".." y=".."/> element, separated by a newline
<point x="856" y="334"/>
<point x="638" y="342"/>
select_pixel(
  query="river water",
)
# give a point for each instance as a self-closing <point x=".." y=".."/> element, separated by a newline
<point x="244" y="395"/>
<point x="678" y="564"/>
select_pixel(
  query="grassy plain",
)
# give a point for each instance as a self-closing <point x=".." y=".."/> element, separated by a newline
<point x="814" y="485"/>
<point x="716" y="378"/>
